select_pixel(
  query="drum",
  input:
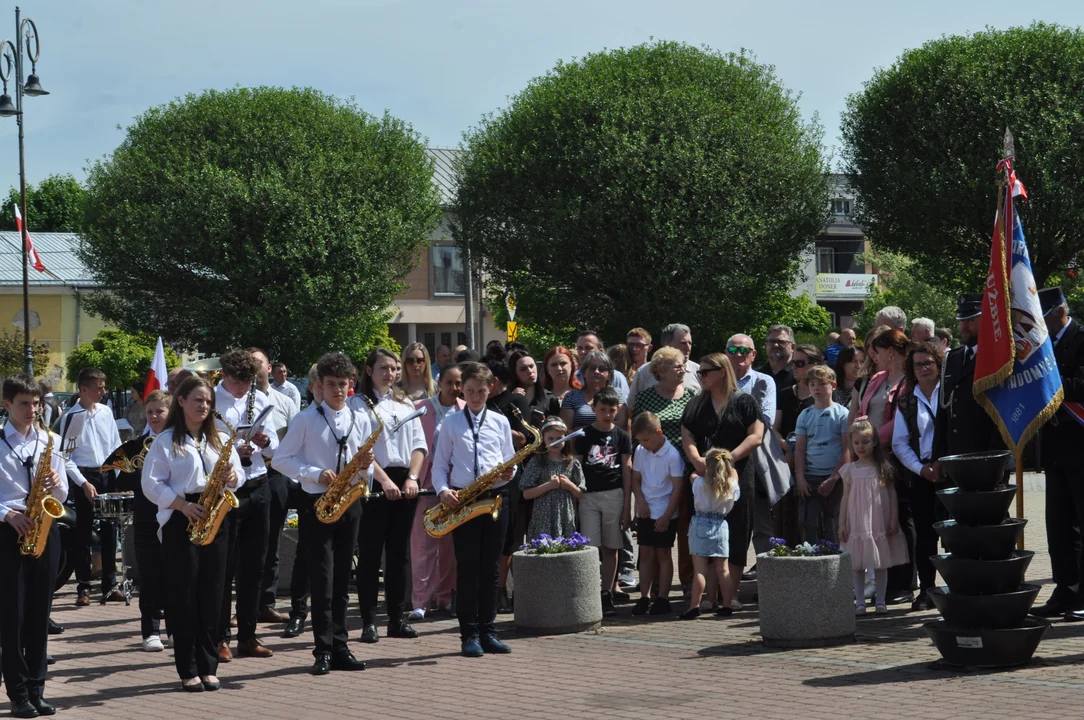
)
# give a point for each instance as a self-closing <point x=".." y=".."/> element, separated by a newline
<point x="114" y="506"/>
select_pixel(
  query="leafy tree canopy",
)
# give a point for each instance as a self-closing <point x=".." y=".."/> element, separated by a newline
<point x="922" y="140"/>
<point x="643" y="186"/>
<point x="123" y="357"/>
<point x="280" y="218"/>
<point x="11" y="354"/>
<point x="904" y="285"/>
<point x="54" y="205"/>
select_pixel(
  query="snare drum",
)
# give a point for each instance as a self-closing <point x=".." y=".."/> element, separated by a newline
<point x="111" y="506"/>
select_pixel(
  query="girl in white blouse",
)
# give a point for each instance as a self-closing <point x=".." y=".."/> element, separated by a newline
<point x="174" y="474"/>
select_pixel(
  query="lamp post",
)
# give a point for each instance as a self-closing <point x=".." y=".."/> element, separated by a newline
<point x="11" y="58"/>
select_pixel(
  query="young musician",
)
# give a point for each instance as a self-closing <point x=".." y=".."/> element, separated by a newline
<point x="240" y="403"/>
<point x="388" y="520"/>
<point x="175" y="472"/>
<point x="148" y="548"/>
<point x="24" y="603"/>
<point x="96" y="438"/>
<point x="321" y="441"/>
<point x="470" y="444"/>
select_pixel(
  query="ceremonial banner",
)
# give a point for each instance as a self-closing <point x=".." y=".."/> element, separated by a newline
<point x="1016" y="377"/>
<point x="32" y="256"/>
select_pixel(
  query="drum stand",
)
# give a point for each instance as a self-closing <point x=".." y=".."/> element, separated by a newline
<point x="125" y="585"/>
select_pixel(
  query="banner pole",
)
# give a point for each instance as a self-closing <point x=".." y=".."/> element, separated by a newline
<point x="1020" y="497"/>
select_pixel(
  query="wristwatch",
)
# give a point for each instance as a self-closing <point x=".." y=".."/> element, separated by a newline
<point x="413" y="477"/>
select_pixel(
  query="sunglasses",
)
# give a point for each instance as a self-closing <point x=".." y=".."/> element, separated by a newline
<point x="801" y="363"/>
<point x="416" y="361"/>
<point x="597" y="368"/>
<point x="709" y="371"/>
<point x="737" y="350"/>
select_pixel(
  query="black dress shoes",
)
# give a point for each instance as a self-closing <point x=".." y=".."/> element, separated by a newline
<point x="368" y="635"/>
<point x="55" y="628"/>
<point x="1074" y="616"/>
<point x="400" y="629"/>
<point x="1052" y="608"/>
<point x="345" y="660"/>
<point x="42" y="707"/>
<point x="922" y="602"/>
<point x="49" y="659"/>
<point x="24" y="709"/>
<point x="901" y="598"/>
<point x="294" y="628"/>
<point x="491" y="644"/>
<point x="472" y="647"/>
<point x="322" y="666"/>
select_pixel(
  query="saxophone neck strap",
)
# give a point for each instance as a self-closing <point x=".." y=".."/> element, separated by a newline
<point x="340" y="441"/>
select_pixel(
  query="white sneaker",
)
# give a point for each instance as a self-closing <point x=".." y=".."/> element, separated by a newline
<point x="153" y="644"/>
<point x="735" y="605"/>
<point x="416" y="614"/>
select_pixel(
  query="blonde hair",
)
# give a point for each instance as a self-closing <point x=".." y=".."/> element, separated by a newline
<point x="663" y="356"/>
<point x="161" y="397"/>
<point x="646" y="422"/>
<point x="886" y="474"/>
<point x="721" y="476"/>
<point x="427" y="375"/>
<point x="820" y="373"/>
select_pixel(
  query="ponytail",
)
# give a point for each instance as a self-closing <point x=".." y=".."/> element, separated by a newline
<point x="720" y="475"/>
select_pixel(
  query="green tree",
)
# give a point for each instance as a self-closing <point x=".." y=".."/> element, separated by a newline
<point x="54" y="205"/>
<point x="643" y="186"/>
<point x="921" y="142"/>
<point x="904" y="285"/>
<point x="12" y="348"/>
<point x="281" y="218"/>
<point x="125" y="358"/>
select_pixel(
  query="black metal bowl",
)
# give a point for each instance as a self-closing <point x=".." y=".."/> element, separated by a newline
<point x="988" y="647"/>
<point x="980" y="542"/>
<point x="981" y="471"/>
<point x="984" y="611"/>
<point x="968" y="507"/>
<point x="982" y="577"/>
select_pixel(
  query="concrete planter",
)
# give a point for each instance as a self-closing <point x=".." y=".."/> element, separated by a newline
<point x="287" y="552"/>
<point x="557" y="593"/>
<point x="805" y="601"/>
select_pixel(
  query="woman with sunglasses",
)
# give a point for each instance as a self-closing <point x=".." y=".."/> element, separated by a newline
<point x="576" y="409"/>
<point x="796" y="398"/>
<point x="417" y="381"/>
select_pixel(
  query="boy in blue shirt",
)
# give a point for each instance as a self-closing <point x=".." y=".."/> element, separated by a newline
<point x="822" y="449"/>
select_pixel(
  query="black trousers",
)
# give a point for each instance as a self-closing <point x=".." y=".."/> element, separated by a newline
<point x="195" y="576"/>
<point x="478" y="545"/>
<point x="152" y="593"/>
<point x="246" y="529"/>
<point x="299" y="579"/>
<point x="926" y="510"/>
<point x="24" y="612"/>
<point x="1064" y="518"/>
<point x="329" y="554"/>
<point x="84" y="530"/>
<point x="901" y="578"/>
<point x="385" y="532"/>
<point x="279" y="506"/>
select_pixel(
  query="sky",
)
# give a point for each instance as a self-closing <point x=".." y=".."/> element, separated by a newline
<point x="438" y="64"/>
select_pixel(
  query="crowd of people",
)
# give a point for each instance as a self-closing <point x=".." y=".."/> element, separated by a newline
<point x="641" y="448"/>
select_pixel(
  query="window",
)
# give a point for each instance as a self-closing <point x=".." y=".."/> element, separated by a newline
<point x="841" y="206"/>
<point x="430" y="343"/>
<point x="461" y="339"/>
<point x="446" y="340"/>
<point x="448" y="277"/>
<point x="826" y="260"/>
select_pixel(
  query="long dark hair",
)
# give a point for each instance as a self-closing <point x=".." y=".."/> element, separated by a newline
<point x="539" y="385"/>
<point x="175" y="420"/>
<point x="367" y="388"/>
<point x="927" y="348"/>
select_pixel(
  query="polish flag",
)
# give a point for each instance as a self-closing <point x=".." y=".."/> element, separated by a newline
<point x="156" y="378"/>
<point x="32" y="256"/>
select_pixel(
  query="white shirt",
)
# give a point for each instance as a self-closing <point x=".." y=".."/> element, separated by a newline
<point x="644" y="380"/>
<point x="705" y="501"/>
<point x="927" y="411"/>
<point x="656" y="470"/>
<point x="284" y="411"/>
<point x="394" y="449"/>
<point x="453" y="458"/>
<point x="169" y="473"/>
<point x="290" y="390"/>
<point x="14" y="482"/>
<point x="311" y="445"/>
<point x="235" y="411"/>
<point x="98" y="438"/>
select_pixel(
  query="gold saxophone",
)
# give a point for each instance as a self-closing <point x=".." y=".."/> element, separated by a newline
<point x="441" y="520"/>
<point x="216" y="498"/>
<point x="340" y="494"/>
<point x="41" y="507"/>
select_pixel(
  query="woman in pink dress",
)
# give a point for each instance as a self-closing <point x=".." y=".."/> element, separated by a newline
<point x="868" y="520"/>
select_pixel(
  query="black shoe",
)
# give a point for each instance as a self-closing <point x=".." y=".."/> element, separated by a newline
<point x="368" y="635"/>
<point x="504" y="603"/>
<point x="294" y="628"/>
<point x="400" y="629"/>
<point x="472" y="647"/>
<point x="211" y="685"/>
<point x="621" y="596"/>
<point x="194" y="687"/>
<point x="750" y="574"/>
<point x="43" y="707"/>
<point x="24" y="709"/>
<point x="608" y="609"/>
<point x="691" y="614"/>
<point x="55" y="628"/>
<point x="1051" y="608"/>
<point x="322" y="666"/>
<point x="661" y="606"/>
<point x="724" y="611"/>
<point x="900" y="598"/>
<point x="642" y="606"/>
<point x="922" y="602"/>
<point x="49" y="659"/>
<point x="491" y="644"/>
<point x="1074" y="616"/>
<point x="345" y="660"/>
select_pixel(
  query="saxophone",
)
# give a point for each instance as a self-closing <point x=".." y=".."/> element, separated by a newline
<point x="41" y="507"/>
<point x="216" y="498"/>
<point x="340" y="494"/>
<point x="441" y="520"/>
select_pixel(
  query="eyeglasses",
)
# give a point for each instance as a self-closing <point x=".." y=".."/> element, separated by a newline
<point x="800" y="363"/>
<point x="597" y="368"/>
<point x="416" y="360"/>
<point x="925" y="365"/>
<point x="631" y="345"/>
<point x="703" y="373"/>
<point x="739" y="350"/>
<point x="776" y="341"/>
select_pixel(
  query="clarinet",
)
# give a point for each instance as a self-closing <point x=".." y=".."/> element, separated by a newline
<point x="249" y="415"/>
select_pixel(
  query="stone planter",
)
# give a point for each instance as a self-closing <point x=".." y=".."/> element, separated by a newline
<point x="805" y="601"/>
<point x="287" y="552"/>
<point x="557" y="593"/>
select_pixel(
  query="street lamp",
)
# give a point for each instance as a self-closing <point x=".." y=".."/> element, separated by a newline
<point x="11" y="58"/>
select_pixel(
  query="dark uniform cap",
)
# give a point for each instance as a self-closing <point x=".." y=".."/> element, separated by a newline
<point x="969" y="306"/>
<point x="1051" y="299"/>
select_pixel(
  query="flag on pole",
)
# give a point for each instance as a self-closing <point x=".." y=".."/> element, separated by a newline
<point x="32" y="256"/>
<point x="156" y="378"/>
<point x="1016" y="377"/>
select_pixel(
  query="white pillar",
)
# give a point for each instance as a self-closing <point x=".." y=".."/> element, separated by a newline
<point x="411" y="333"/>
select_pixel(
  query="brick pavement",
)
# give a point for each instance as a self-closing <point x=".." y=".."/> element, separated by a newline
<point x="632" y="667"/>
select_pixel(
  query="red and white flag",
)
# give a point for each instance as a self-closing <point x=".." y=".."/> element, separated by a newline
<point x="156" y="378"/>
<point x="32" y="256"/>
